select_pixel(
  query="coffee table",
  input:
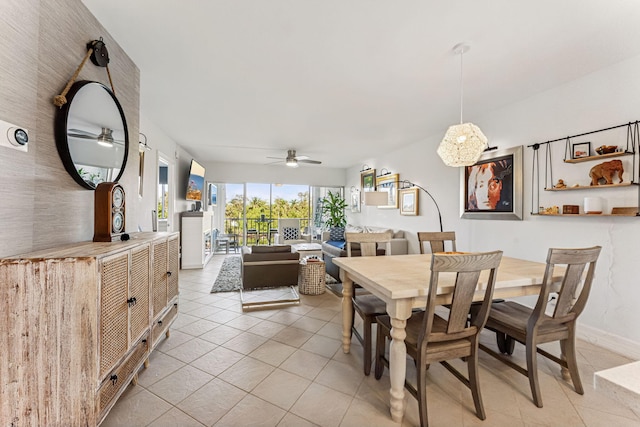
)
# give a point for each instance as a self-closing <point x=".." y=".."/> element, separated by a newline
<point x="306" y="249"/>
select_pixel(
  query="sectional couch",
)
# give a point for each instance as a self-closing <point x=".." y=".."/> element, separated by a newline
<point x="337" y="248"/>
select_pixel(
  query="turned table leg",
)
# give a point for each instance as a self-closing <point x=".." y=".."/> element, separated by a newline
<point x="347" y="312"/>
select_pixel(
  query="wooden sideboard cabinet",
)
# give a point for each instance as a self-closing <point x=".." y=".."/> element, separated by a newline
<point x="77" y="322"/>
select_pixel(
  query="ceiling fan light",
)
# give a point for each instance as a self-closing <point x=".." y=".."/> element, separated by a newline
<point x="462" y="145"/>
<point x="105" y="142"/>
<point x="106" y="137"/>
<point x="292" y="163"/>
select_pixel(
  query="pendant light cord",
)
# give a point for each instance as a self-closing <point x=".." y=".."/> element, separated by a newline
<point x="461" y="84"/>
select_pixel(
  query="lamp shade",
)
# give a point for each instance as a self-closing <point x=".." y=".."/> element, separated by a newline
<point x="376" y="198"/>
<point x="462" y="145"/>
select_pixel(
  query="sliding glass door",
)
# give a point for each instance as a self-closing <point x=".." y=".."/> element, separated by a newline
<point x="252" y="210"/>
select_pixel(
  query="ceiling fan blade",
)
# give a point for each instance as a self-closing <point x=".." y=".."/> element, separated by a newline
<point x="301" y="157"/>
<point x="313" y="162"/>
<point x="83" y="132"/>
<point x="82" y="135"/>
<point x="278" y="158"/>
<point x="273" y="163"/>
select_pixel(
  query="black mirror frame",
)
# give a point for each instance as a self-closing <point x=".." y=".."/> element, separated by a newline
<point x="62" y="142"/>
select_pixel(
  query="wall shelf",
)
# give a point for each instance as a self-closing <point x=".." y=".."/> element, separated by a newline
<point x="583" y="215"/>
<point x="591" y="187"/>
<point x="546" y="180"/>
<point x="599" y="156"/>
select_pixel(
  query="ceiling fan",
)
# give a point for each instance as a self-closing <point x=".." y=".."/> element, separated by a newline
<point x="104" y="138"/>
<point x="292" y="160"/>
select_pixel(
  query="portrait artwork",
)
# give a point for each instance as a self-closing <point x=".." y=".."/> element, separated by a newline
<point x="490" y="185"/>
<point x="492" y="188"/>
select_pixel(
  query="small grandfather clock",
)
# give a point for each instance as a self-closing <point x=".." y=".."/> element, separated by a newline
<point x="109" y="212"/>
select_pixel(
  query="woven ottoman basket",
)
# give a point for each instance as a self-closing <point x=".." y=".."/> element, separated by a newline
<point x="311" y="280"/>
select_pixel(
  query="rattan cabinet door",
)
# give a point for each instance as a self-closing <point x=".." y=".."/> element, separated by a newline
<point x="159" y="284"/>
<point x="174" y="267"/>
<point x="114" y="324"/>
<point x="139" y="292"/>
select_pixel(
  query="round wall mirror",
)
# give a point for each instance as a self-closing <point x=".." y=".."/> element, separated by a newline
<point x="91" y="134"/>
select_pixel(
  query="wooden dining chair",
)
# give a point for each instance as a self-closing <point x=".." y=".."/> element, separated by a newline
<point x="437" y="240"/>
<point x="533" y="326"/>
<point x="366" y="305"/>
<point x="431" y="338"/>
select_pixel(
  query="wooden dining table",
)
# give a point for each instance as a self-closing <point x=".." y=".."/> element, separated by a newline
<point x="402" y="281"/>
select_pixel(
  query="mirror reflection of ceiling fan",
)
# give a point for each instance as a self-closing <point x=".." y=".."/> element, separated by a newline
<point x="292" y="159"/>
<point x="105" y="137"/>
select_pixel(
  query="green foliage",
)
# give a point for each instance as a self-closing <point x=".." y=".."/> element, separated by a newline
<point x="281" y="208"/>
<point x="333" y="207"/>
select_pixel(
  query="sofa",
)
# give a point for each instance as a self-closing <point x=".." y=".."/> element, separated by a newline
<point x="269" y="266"/>
<point x="337" y="248"/>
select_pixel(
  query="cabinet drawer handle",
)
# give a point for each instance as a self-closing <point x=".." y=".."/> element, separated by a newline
<point x="132" y="301"/>
<point x="159" y="322"/>
<point x="168" y="274"/>
<point x="114" y="379"/>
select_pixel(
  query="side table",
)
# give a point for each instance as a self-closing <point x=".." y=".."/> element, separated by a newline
<point x="311" y="279"/>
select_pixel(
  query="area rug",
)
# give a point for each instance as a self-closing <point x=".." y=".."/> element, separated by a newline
<point x="229" y="277"/>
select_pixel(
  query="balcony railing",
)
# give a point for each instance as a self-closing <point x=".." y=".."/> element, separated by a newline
<point x="258" y="231"/>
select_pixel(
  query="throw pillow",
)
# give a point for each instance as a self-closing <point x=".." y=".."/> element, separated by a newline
<point x="290" y="233"/>
<point x="353" y="229"/>
<point x="340" y="244"/>
<point x="336" y="233"/>
<point x="378" y="230"/>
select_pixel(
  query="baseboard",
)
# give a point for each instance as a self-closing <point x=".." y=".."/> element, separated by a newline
<point x="617" y="344"/>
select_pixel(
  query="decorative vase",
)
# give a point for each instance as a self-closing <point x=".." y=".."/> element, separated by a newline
<point x="593" y="205"/>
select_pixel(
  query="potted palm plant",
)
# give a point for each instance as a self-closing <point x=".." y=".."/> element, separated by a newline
<point x="333" y="209"/>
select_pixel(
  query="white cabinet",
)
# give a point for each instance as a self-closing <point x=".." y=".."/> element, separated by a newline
<point x="196" y="233"/>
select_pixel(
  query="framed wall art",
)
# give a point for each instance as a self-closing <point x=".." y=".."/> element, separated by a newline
<point x="492" y="188"/>
<point x="389" y="184"/>
<point x="368" y="180"/>
<point x="580" y="149"/>
<point x="213" y="194"/>
<point x="408" y="201"/>
<point x="355" y="201"/>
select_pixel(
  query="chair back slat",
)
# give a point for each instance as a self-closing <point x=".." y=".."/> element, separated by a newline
<point x="570" y="283"/>
<point x="468" y="268"/>
<point x="465" y="288"/>
<point x="369" y="242"/>
<point x="437" y="240"/>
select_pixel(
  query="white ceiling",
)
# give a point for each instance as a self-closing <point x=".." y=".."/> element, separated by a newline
<point x="346" y="80"/>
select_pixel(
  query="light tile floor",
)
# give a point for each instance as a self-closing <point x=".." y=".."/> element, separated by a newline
<point x="285" y="367"/>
